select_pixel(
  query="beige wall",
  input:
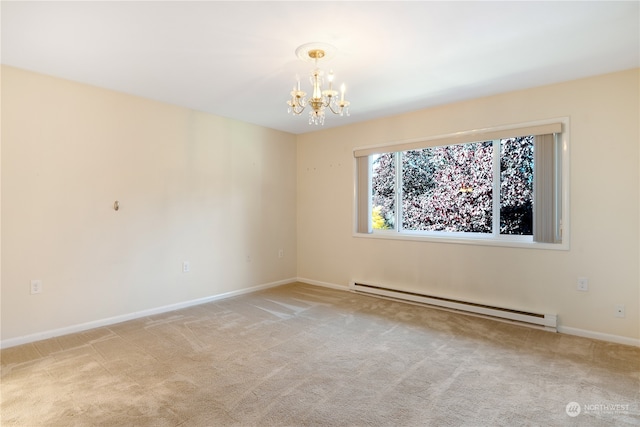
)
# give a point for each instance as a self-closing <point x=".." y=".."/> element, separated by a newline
<point x="192" y="186"/>
<point x="604" y="118"/>
<point x="222" y="194"/>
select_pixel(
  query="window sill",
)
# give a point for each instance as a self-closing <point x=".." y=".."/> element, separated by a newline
<point x="478" y="241"/>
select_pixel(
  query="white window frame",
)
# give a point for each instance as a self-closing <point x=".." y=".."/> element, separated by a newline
<point x="486" y="239"/>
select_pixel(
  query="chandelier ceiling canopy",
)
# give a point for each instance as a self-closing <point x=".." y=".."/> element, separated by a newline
<point x="321" y="99"/>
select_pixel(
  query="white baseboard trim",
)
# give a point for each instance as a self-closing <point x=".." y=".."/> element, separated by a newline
<point x="323" y="284"/>
<point x="599" y="336"/>
<point x="26" y="339"/>
<point x="561" y="329"/>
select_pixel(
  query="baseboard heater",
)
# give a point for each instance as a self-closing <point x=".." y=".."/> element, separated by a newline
<point x="542" y="321"/>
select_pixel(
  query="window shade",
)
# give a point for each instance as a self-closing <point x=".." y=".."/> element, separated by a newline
<point x="544" y="191"/>
<point x="364" y="194"/>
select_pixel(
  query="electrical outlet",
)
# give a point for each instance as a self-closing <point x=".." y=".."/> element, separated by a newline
<point x="583" y="284"/>
<point x="280" y="253"/>
<point x="619" y="310"/>
<point x="36" y="286"/>
<point x="186" y="267"/>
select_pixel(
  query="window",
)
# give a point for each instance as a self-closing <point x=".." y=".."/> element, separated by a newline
<point x="504" y="189"/>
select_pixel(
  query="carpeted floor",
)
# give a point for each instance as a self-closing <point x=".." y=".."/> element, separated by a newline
<point x="300" y="355"/>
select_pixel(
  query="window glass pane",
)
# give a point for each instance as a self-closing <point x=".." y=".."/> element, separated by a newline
<point x="516" y="186"/>
<point x="383" y="179"/>
<point x="448" y="188"/>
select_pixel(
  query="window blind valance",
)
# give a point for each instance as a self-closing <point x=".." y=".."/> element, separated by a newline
<point x="461" y="138"/>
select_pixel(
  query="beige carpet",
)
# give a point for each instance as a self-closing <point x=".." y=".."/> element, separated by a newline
<point x="300" y="355"/>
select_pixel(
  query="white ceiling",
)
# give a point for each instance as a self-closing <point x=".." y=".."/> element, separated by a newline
<point x="237" y="59"/>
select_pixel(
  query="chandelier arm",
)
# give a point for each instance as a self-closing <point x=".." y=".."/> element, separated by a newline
<point x="296" y="105"/>
<point x="334" y="111"/>
<point x="297" y="110"/>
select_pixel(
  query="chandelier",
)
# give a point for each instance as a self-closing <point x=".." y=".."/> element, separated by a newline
<point x="320" y="100"/>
